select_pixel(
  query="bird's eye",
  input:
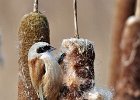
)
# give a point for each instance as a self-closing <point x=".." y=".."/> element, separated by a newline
<point x="43" y="49"/>
<point x="47" y="47"/>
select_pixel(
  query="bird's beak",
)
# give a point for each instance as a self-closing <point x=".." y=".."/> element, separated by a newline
<point x="52" y="48"/>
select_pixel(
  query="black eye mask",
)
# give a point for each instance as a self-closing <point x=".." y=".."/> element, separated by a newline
<point x="43" y="49"/>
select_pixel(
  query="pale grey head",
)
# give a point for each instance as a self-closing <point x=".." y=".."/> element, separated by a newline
<point x="38" y="49"/>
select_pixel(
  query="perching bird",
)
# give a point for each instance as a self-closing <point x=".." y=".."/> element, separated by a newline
<point x="45" y="72"/>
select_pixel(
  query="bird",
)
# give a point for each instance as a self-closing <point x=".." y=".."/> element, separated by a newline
<point x="44" y="70"/>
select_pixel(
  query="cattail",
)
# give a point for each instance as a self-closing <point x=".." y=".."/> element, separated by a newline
<point x="128" y="87"/>
<point x="78" y="66"/>
<point x="125" y="8"/>
<point x="34" y="27"/>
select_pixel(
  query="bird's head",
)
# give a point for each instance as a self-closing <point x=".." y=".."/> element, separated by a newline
<point x="38" y="49"/>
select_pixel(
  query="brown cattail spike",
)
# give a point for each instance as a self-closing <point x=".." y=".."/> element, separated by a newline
<point x="34" y="27"/>
<point x="78" y="67"/>
<point x="128" y="87"/>
<point x="75" y="19"/>
<point x="35" y="7"/>
<point x="125" y="8"/>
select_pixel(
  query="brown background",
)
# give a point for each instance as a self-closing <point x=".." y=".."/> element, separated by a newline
<point x="95" y="23"/>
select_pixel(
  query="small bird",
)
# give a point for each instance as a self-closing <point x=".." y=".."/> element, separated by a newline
<point x="45" y="72"/>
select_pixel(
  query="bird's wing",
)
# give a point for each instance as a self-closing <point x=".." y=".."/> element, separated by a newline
<point x="40" y="65"/>
<point x="37" y="71"/>
<point x="40" y="69"/>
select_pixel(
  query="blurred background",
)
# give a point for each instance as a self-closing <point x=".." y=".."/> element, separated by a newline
<point x="95" y="19"/>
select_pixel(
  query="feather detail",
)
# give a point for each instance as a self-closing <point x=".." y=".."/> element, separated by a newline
<point x="41" y="93"/>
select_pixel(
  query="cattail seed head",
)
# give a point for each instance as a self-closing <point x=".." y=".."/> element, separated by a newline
<point x="78" y="68"/>
<point x="34" y="27"/>
<point x="128" y="87"/>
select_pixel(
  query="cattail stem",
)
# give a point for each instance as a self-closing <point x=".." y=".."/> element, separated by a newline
<point x="35" y="7"/>
<point x="75" y="19"/>
<point x="137" y="12"/>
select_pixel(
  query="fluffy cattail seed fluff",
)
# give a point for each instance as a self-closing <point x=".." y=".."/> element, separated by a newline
<point x="78" y="68"/>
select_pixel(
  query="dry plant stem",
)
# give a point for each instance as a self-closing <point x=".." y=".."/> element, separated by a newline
<point x="75" y="19"/>
<point x="33" y="28"/>
<point x="35" y="7"/>
<point x="125" y="8"/>
<point x="128" y="87"/>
